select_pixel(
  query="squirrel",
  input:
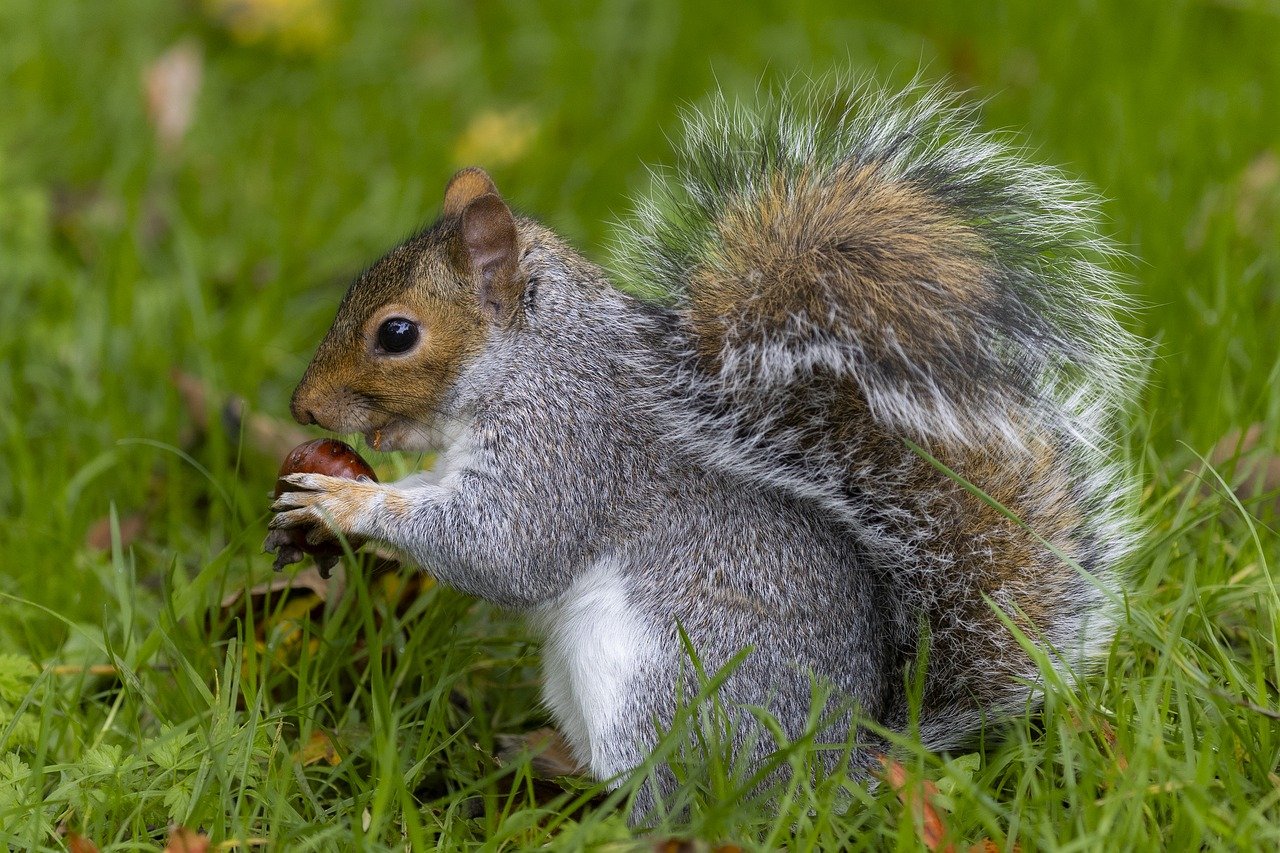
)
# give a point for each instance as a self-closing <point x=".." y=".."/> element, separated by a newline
<point x="856" y="410"/>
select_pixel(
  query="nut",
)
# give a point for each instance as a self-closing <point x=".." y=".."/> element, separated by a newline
<point x="320" y="456"/>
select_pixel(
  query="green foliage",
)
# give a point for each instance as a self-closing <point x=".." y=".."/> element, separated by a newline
<point x="310" y="151"/>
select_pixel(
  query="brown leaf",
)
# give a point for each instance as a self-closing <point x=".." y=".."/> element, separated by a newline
<point x="1258" y="195"/>
<point x="692" y="845"/>
<point x="553" y="755"/>
<point x="270" y="436"/>
<point x="172" y="84"/>
<point x="183" y="840"/>
<point x="919" y="801"/>
<point x="986" y="845"/>
<point x="307" y="580"/>
<point x="319" y="747"/>
<point x="77" y="843"/>
<point x="195" y="399"/>
<point x="132" y="526"/>
<point x="79" y="669"/>
<point x="1109" y="735"/>
<point x="678" y="845"/>
<point x="1257" y="467"/>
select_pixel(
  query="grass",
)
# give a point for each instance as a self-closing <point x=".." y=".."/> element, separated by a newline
<point x="317" y="145"/>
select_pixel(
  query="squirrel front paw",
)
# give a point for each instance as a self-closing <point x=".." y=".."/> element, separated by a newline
<point x="328" y="506"/>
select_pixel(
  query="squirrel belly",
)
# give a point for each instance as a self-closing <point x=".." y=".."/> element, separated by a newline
<point x="863" y="415"/>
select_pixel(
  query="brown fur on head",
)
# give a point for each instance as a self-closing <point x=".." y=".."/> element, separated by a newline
<point x="411" y="322"/>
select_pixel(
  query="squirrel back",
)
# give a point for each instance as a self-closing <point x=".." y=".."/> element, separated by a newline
<point x="897" y="315"/>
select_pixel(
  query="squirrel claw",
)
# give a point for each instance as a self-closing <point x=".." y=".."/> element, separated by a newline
<point x="290" y="500"/>
<point x="286" y="518"/>
<point x="325" y="565"/>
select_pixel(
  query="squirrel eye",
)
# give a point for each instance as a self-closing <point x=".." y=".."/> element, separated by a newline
<point x="397" y="335"/>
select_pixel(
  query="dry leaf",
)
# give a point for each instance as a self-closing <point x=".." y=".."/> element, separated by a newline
<point x="496" y="139"/>
<point x="77" y="843"/>
<point x="172" y="84"/>
<point x="132" y="526"/>
<point x="291" y="26"/>
<point x="1109" y="735"/>
<point x="286" y="610"/>
<point x="678" y="845"/>
<point x="1257" y="468"/>
<point x="195" y="400"/>
<point x="1258" y="195"/>
<point x="919" y="801"/>
<point x="308" y="580"/>
<point x="183" y="840"/>
<point x="692" y="845"/>
<point x="270" y="436"/>
<point x="553" y="755"/>
<point x="79" y="669"/>
<point x="319" y="747"/>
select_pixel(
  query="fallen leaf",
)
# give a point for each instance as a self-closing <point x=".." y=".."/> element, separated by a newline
<point x="270" y="436"/>
<point x="83" y="215"/>
<point x="986" y="845"/>
<point x="77" y="843"/>
<point x="1109" y="737"/>
<point x="132" y="526"/>
<point x="195" y="399"/>
<point x="1258" y="195"/>
<point x="183" y="840"/>
<point x="496" y="139"/>
<point x="919" y="801"/>
<point x="691" y="845"/>
<point x="290" y="26"/>
<point x="172" y="84"/>
<point x="678" y="845"/>
<point x="319" y="747"/>
<point x="308" y="580"/>
<point x="553" y="755"/>
<point x="1257" y="466"/>
<point x="77" y="669"/>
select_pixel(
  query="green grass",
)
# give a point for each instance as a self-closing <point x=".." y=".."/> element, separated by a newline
<point x="120" y="262"/>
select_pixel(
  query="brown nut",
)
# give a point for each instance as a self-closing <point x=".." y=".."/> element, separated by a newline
<point x="320" y="456"/>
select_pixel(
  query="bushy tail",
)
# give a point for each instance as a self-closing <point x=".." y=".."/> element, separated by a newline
<point x="862" y="273"/>
<point x="887" y="239"/>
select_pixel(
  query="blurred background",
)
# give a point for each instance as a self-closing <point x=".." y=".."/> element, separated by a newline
<point x="187" y="187"/>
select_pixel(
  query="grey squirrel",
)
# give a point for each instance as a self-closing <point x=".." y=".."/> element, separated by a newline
<point x="867" y="400"/>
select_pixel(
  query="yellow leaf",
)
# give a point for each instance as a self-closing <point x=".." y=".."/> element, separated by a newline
<point x="319" y="747"/>
<point x="495" y="139"/>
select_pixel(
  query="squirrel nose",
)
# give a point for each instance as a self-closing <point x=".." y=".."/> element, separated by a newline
<point x="303" y="416"/>
<point x="300" y="412"/>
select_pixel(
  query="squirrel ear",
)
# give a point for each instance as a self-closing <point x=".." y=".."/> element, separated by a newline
<point x="464" y="188"/>
<point x="489" y="233"/>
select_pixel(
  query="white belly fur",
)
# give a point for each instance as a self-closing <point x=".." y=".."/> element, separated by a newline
<point x="595" y="644"/>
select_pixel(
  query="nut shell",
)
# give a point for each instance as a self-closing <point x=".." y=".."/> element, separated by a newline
<point x="319" y="456"/>
<point x="324" y="456"/>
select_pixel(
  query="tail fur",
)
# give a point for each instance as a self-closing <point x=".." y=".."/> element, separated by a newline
<point x="886" y="238"/>
<point x="862" y="270"/>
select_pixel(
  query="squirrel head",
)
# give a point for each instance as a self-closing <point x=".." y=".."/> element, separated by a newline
<point x="413" y="321"/>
